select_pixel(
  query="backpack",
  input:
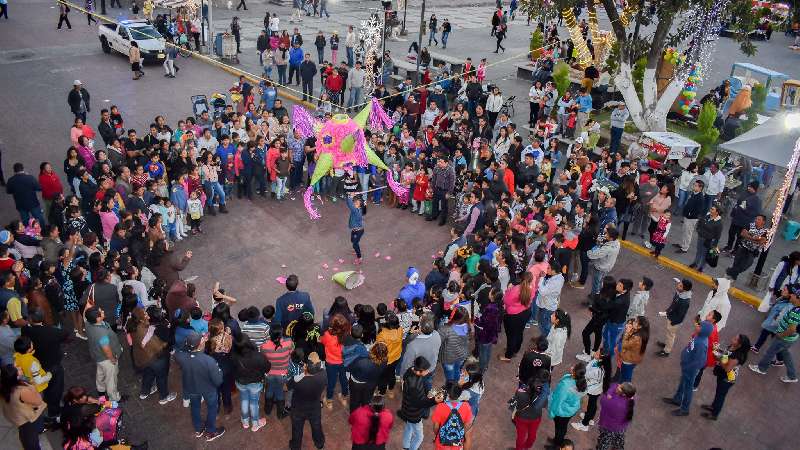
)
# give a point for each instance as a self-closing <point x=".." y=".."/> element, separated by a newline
<point x="452" y="430"/>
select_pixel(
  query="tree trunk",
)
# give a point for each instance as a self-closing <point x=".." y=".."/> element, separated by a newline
<point x="650" y="112"/>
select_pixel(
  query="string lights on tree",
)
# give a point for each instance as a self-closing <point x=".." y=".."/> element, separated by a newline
<point x="370" y="36"/>
<point x="584" y="55"/>
<point x="791" y="122"/>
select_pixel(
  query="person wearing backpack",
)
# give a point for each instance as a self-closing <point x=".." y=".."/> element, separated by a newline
<point x="452" y="422"/>
<point x="526" y="408"/>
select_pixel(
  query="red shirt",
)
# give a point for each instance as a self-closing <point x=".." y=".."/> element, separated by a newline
<point x="361" y="422"/>
<point x="713" y="339"/>
<point x="51" y="185"/>
<point x="440" y="415"/>
<point x="333" y="348"/>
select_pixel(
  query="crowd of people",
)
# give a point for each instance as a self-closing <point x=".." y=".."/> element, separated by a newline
<point x="95" y="260"/>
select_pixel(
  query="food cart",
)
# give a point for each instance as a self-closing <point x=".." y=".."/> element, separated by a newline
<point x="662" y="146"/>
<point x="746" y="73"/>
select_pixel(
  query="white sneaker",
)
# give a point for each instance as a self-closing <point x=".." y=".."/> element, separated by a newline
<point x="584" y="357"/>
<point x="185" y="403"/>
<point x="786" y="379"/>
<point x="648" y="245"/>
<point x="579" y="426"/>
<point x="754" y="368"/>
<point x="591" y="422"/>
<point x="152" y="391"/>
<point x="172" y="396"/>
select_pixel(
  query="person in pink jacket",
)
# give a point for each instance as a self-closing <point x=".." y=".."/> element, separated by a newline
<point x="517" y="303"/>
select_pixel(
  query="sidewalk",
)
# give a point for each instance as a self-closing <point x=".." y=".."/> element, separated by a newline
<point x="10" y="440"/>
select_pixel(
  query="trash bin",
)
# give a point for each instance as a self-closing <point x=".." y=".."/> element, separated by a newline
<point x="218" y="44"/>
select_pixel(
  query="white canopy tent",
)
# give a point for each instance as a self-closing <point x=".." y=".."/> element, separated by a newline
<point x="771" y="142"/>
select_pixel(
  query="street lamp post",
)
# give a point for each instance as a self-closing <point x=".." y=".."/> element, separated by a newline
<point x="405" y="11"/>
<point x="419" y="40"/>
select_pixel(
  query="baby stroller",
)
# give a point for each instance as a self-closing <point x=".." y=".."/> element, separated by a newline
<point x="200" y="105"/>
<point x="218" y="102"/>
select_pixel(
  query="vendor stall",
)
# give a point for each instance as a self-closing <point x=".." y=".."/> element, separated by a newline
<point x="662" y="146"/>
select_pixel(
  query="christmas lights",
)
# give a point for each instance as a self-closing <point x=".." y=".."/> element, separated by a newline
<point x="584" y="56"/>
<point x="783" y="192"/>
<point x="370" y="35"/>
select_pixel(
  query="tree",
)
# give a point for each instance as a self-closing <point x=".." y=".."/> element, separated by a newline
<point x="708" y="134"/>
<point x="698" y="18"/>
<point x="537" y="40"/>
<point x="561" y="77"/>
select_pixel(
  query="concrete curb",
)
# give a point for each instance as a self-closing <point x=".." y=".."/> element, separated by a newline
<point x="734" y="292"/>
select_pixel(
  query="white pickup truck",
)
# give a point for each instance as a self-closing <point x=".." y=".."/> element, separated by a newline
<point x="119" y="38"/>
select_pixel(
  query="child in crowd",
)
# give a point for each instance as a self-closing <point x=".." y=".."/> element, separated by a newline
<point x="197" y="322"/>
<point x="658" y="237"/>
<point x="558" y="336"/>
<point x="195" y="212"/>
<point x="420" y="188"/>
<point x="30" y="367"/>
<point x="407" y="178"/>
<point x="640" y="299"/>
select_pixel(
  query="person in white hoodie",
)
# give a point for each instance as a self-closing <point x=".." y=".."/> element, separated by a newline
<point x="598" y="377"/>
<point x="718" y="300"/>
<point x="558" y="336"/>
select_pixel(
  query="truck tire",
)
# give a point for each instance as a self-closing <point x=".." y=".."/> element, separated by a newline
<point x="104" y="44"/>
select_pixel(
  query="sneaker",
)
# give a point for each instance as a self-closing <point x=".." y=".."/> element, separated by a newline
<point x="199" y="434"/>
<point x="584" y="357"/>
<point x="185" y="403"/>
<point x="695" y="389"/>
<point x="152" y="391"/>
<point x="214" y="436"/>
<point x="786" y="379"/>
<point x="262" y="422"/>
<point x="246" y="424"/>
<point x="172" y="396"/>
<point x="328" y="404"/>
<point x="776" y="363"/>
<point x="579" y="426"/>
<point x="754" y="368"/>
<point x="754" y="349"/>
<point x="576" y="285"/>
<point x="528" y="326"/>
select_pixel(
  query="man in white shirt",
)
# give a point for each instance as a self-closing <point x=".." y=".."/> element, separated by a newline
<point x="430" y="114"/>
<point x="349" y="45"/>
<point x="534" y="95"/>
<point x="618" y="118"/>
<point x="207" y="141"/>
<point x="715" y="184"/>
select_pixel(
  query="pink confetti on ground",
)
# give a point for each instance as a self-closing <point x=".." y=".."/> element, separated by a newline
<point x="377" y="255"/>
<point x="335" y="269"/>
<point x="388" y="258"/>
<point x="320" y="277"/>
<point x="341" y="261"/>
<point x="281" y="280"/>
<point x="324" y="265"/>
<point x="433" y="256"/>
<point x="441" y="253"/>
<point x="283" y="266"/>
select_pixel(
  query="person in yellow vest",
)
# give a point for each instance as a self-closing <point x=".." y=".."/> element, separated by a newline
<point x="31" y="369"/>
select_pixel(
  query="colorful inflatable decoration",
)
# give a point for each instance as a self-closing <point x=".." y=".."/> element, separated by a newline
<point x="341" y="145"/>
<point x="674" y="57"/>
<point x="689" y="92"/>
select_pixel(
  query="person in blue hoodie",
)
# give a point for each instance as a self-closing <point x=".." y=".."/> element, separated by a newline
<point x="356" y="224"/>
<point x="295" y="59"/>
<point x="414" y="288"/>
<point x="201" y="376"/>
<point x="693" y="358"/>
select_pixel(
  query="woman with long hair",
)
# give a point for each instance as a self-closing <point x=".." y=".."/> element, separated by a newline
<point x="218" y="346"/>
<point x="370" y="425"/>
<point x="392" y="335"/>
<point x="364" y="374"/>
<point x="366" y="318"/>
<point x="249" y="369"/>
<point x="600" y="308"/>
<point x="632" y="346"/>
<point x="517" y="303"/>
<point x="565" y="400"/>
<point x="333" y="341"/>
<point x="487" y="327"/>
<point x="66" y="265"/>
<point x="726" y="371"/>
<point x="277" y="350"/>
<point x="626" y="196"/>
<point x="616" y="413"/>
<point x="598" y="378"/>
<point x="22" y="406"/>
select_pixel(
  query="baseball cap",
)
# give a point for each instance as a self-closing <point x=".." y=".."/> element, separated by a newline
<point x="77" y="83"/>
<point x="5" y="237"/>
<point x="192" y="341"/>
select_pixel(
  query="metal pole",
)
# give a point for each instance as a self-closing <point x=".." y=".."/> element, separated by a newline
<point x="202" y="23"/>
<point x="405" y="11"/>
<point x="419" y="40"/>
<point x="210" y="27"/>
<point x="383" y="42"/>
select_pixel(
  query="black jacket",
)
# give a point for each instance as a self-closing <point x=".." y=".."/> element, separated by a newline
<point x="709" y="230"/>
<point x="747" y="208"/>
<point x="320" y="42"/>
<point x="677" y="310"/>
<point x="415" y="399"/>
<point x="474" y="90"/>
<point x="250" y="367"/>
<point x="307" y="70"/>
<point x="74" y="100"/>
<point x="695" y="206"/>
<point x="107" y="132"/>
<point x="47" y="342"/>
<point x="618" y="308"/>
<point x="262" y="43"/>
<point x="24" y="187"/>
<point x="307" y="392"/>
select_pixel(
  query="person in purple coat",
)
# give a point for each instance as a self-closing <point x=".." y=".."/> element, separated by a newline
<point x="616" y="413"/>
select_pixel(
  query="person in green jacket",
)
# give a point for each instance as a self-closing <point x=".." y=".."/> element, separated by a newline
<point x="565" y="401"/>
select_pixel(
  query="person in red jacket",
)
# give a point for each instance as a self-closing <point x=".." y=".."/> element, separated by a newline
<point x="334" y="84"/>
<point x="51" y="187"/>
<point x="370" y="425"/>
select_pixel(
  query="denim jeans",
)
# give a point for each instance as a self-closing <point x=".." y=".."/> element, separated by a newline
<point x="158" y="372"/>
<point x="355" y="239"/>
<point x="597" y="280"/>
<point x="611" y="333"/>
<point x="268" y="71"/>
<point x="682" y="197"/>
<point x="350" y="56"/>
<point x="779" y="347"/>
<point x="534" y="311"/>
<point x="320" y="54"/>
<point x="616" y="137"/>
<point x="432" y="37"/>
<point x="543" y="317"/>
<point x="685" y="389"/>
<point x="213" y="188"/>
<point x="212" y="403"/>
<point x="296" y="174"/>
<point x="363" y="180"/>
<point x="700" y="253"/>
<point x="355" y="96"/>
<point x="452" y="372"/>
<point x="274" y="387"/>
<point x="445" y="35"/>
<point x="626" y="372"/>
<point x="336" y="372"/>
<point x="249" y="395"/>
<point x="413" y="435"/>
<point x="281" y="187"/>
<point x="484" y="356"/>
<point x="282" y="74"/>
<point x="36" y="213"/>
